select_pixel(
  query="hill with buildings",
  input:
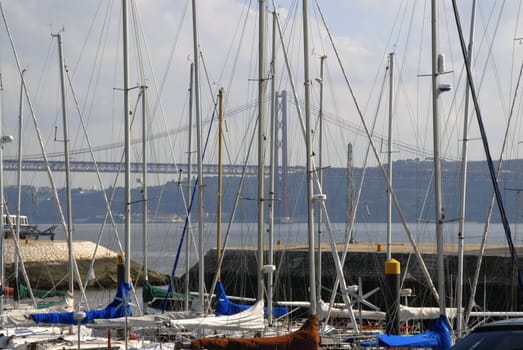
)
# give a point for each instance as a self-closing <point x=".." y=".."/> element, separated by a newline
<point x="411" y="184"/>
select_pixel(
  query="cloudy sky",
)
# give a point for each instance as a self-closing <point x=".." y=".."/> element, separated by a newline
<point x="161" y="52"/>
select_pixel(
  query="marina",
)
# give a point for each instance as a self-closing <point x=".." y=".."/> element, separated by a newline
<point x="269" y="270"/>
<point x="365" y="261"/>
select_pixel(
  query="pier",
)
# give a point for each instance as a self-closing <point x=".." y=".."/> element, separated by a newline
<point x="364" y="266"/>
<point x="46" y="263"/>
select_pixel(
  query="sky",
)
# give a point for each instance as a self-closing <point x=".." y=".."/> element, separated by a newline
<point x="361" y="36"/>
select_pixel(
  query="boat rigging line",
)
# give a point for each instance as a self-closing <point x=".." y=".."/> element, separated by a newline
<point x="402" y="217"/>
<point x="490" y="164"/>
<point x="331" y="118"/>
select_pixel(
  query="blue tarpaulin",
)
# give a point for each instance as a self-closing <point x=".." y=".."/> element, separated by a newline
<point x="437" y="338"/>
<point x="225" y="307"/>
<point x="113" y="310"/>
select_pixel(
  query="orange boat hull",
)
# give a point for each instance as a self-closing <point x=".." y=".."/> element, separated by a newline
<point x="306" y="338"/>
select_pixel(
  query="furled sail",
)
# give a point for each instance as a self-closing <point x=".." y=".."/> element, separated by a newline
<point x="226" y="307"/>
<point x="22" y="292"/>
<point x="247" y="320"/>
<point x="115" y="309"/>
<point x="158" y="297"/>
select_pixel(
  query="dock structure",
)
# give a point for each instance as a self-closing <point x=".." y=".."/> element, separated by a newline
<point x="399" y="248"/>
<point x="364" y="267"/>
<point x="46" y="263"/>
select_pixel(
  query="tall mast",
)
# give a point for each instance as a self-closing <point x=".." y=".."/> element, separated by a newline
<point x="19" y="175"/>
<point x="69" y="214"/>
<point x="437" y="69"/>
<point x="320" y="177"/>
<point x="199" y="151"/>
<point x="219" y="204"/>
<point x="272" y="165"/>
<point x="389" y="158"/>
<point x="127" y="147"/>
<point x="308" y="146"/>
<point x="189" y="180"/>
<point x="261" y="141"/>
<point x="464" y="157"/>
<point x="145" y="234"/>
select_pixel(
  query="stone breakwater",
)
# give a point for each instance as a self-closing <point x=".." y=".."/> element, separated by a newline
<point x="47" y="263"/>
<point x="54" y="252"/>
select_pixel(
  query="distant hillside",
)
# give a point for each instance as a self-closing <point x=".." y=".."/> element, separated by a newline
<point x="411" y="183"/>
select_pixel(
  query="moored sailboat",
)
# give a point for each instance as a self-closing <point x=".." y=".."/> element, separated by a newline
<point x="120" y="305"/>
<point x="307" y="337"/>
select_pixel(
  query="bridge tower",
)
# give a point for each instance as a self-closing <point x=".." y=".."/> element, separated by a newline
<point x="281" y="205"/>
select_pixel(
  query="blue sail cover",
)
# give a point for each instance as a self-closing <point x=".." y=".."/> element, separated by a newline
<point x="437" y="338"/>
<point x="225" y="307"/>
<point x="278" y="311"/>
<point x="113" y="310"/>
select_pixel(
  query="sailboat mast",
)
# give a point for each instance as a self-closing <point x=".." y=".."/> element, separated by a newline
<point x="320" y="176"/>
<point x="309" y="155"/>
<point x="272" y="172"/>
<point x="464" y="157"/>
<point x="220" y="182"/>
<point x="389" y="157"/>
<point x="437" y="69"/>
<point x="145" y="234"/>
<point x="19" y="173"/>
<point x="127" y="146"/>
<point x="189" y="180"/>
<point x="69" y="213"/>
<point x="199" y="151"/>
<point x="261" y="141"/>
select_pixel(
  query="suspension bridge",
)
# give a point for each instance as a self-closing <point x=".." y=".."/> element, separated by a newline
<point x="153" y="168"/>
<point x="36" y="163"/>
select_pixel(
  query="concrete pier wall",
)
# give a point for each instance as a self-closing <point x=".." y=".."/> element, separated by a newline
<point x="498" y="289"/>
<point x="46" y="263"/>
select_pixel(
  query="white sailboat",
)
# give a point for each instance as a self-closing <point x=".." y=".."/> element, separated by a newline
<point x="120" y="305"/>
<point x="249" y="320"/>
<point x="252" y="318"/>
<point x="82" y="337"/>
<point x="13" y="318"/>
<point x="307" y="337"/>
<point x="20" y="322"/>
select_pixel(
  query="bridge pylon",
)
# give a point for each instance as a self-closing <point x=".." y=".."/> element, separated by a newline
<point x="281" y="185"/>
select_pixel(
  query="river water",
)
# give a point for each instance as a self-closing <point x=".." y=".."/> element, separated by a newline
<point x="164" y="239"/>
